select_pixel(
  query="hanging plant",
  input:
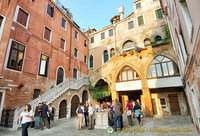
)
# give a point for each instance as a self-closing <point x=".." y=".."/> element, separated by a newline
<point x="101" y="94"/>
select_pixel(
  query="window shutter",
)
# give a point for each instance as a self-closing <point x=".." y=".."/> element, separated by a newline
<point x="47" y="34"/>
<point x="62" y="44"/>
<point x="52" y="11"/>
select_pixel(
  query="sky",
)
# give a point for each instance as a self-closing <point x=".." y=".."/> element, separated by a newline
<point x="96" y="13"/>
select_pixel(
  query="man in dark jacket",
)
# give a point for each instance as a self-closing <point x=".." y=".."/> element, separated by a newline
<point x="44" y="116"/>
<point x="86" y="114"/>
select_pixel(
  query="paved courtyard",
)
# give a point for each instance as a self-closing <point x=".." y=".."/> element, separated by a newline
<point x="175" y="125"/>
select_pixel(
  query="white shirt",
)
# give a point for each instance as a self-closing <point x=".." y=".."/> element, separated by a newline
<point x="50" y="109"/>
<point x="26" y="119"/>
<point x="90" y="110"/>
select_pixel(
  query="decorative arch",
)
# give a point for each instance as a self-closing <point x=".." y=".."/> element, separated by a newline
<point x="126" y="64"/>
<point x="75" y="100"/>
<point x="162" y="66"/>
<point x="157" y="34"/>
<point x="127" y="73"/>
<point x="128" y="45"/>
<point x="63" y="109"/>
<point x="60" y="75"/>
<point x="147" y="41"/>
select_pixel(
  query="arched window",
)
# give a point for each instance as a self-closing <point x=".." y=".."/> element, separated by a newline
<point x="112" y="52"/>
<point x="105" y="56"/>
<point x="161" y="67"/>
<point x="128" y="45"/>
<point x="158" y="38"/>
<point x="91" y="61"/>
<point x="147" y="41"/>
<point x="127" y="74"/>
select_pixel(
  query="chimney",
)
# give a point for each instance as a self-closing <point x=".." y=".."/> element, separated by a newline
<point x="121" y="12"/>
<point x="55" y="1"/>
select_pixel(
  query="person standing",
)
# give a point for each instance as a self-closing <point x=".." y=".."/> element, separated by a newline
<point x="132" y="107"/>
<point x="128" y="112"/>
<point x="86" y="106"/>
<point x="117" y="114"/>
<point x="137" y="110"/>
<point x="79" y="112"/>
<point x="91" y="120"/>
<point x="43" y="118"/>
<point x="49" y="113"/>
<point x="26" y="116"/>
<point x="37" y="116"/>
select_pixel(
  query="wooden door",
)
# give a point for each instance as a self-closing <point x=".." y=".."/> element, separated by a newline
<point x="63" y="109"/>
<point x="124" y="98"/>
<point x="60" y="75"/>
<point x="74" y="105"/>
<point x="153" y="100"/>
<point x="174" y="104"/>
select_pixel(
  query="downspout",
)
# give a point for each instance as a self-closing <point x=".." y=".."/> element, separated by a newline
<point x="70" y="46"/>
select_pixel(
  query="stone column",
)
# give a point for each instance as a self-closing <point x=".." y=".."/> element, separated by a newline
<point x="146" y="98"/>
<point x="115" y="95"/>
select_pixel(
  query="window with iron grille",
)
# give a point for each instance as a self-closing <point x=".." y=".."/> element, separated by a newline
<point x="16" y="56"/>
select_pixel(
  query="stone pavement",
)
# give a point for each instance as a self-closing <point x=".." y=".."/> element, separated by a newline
<point x="150" y="127"/>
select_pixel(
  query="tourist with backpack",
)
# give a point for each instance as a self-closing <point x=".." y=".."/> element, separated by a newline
<point x="79" y="112"/>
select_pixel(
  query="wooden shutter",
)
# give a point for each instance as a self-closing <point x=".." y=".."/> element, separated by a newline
<point x="47" y="33"/>
<point x="62" y="44"/>
<point x="22" y="17"/>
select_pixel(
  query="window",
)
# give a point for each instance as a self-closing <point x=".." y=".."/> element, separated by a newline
<point x="62" y="43"/>
<point x="128" y="45"/>
<point x="159" y="13"/>
<point x="154" y="0"/>
<point x="162" y="66"/>
<point x="63" y="23"/>
<point x="140" y="20"/>
<point x="50" y="10"/>
<point x="127" y="74"/>
<point x="158" y="38"/>
<point x="138" y="5"/>
<point x="44" y="64"/>
<point x="76" y="35"/>
<point x="105" y="56"/>
<point x="1" y="20"/>
<point x="75" y="53"/>
<point x="112" y="52"/>
<point x="21" y="16"/>
<point x="75" y="73"/>
<point x="47" y="34"/>
<point x="91" y="61"/>
<point x="102" y="36"/>
<point x="163" y="103"/>
<point x="130" y="25"/>
<point x="36" y="93"/>
<point x="16" y="56"/>
<point x="85" y="59"/>
<point x="85" y="43"/>
<point x="110" y="32"/>
<point x="92" y="40"/>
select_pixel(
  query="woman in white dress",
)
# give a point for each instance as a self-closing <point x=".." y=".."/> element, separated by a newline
<point x="26" y="116"/>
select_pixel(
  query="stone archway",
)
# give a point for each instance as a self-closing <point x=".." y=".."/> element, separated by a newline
<point x="74" y="105"/>
<point x="63" y="109"/>
<point x="84" y="96"/>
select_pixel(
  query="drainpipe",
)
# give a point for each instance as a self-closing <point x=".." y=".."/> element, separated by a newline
<point x="70" y="46"/>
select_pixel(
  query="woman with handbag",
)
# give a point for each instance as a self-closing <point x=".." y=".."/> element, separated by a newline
<point x="128" y="112"/>
<point x="27" y="116"/>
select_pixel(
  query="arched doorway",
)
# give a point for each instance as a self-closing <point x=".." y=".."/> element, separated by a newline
<point x="84" y="96"/>
<point x="60" y="76"/>
<point x="63" y="109"/>
<point x="74" y="105"/>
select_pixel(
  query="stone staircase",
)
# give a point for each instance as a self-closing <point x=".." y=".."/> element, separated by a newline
<point x="52" y="95"/>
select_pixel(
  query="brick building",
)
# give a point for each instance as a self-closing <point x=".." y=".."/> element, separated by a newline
<point x="183" y="19"/>
<point x="134" y="59"/>
<point x="41" y="50"/>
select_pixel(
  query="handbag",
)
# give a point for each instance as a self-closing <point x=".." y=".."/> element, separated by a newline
<point x="128" y="112"/>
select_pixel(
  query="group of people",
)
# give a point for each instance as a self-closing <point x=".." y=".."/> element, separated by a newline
<point x="42" y="116"/>
<point x="115" y="111"/>
<point x="88" y="112"/>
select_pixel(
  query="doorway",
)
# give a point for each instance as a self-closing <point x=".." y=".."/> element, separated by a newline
<point x="63" y="109"/>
